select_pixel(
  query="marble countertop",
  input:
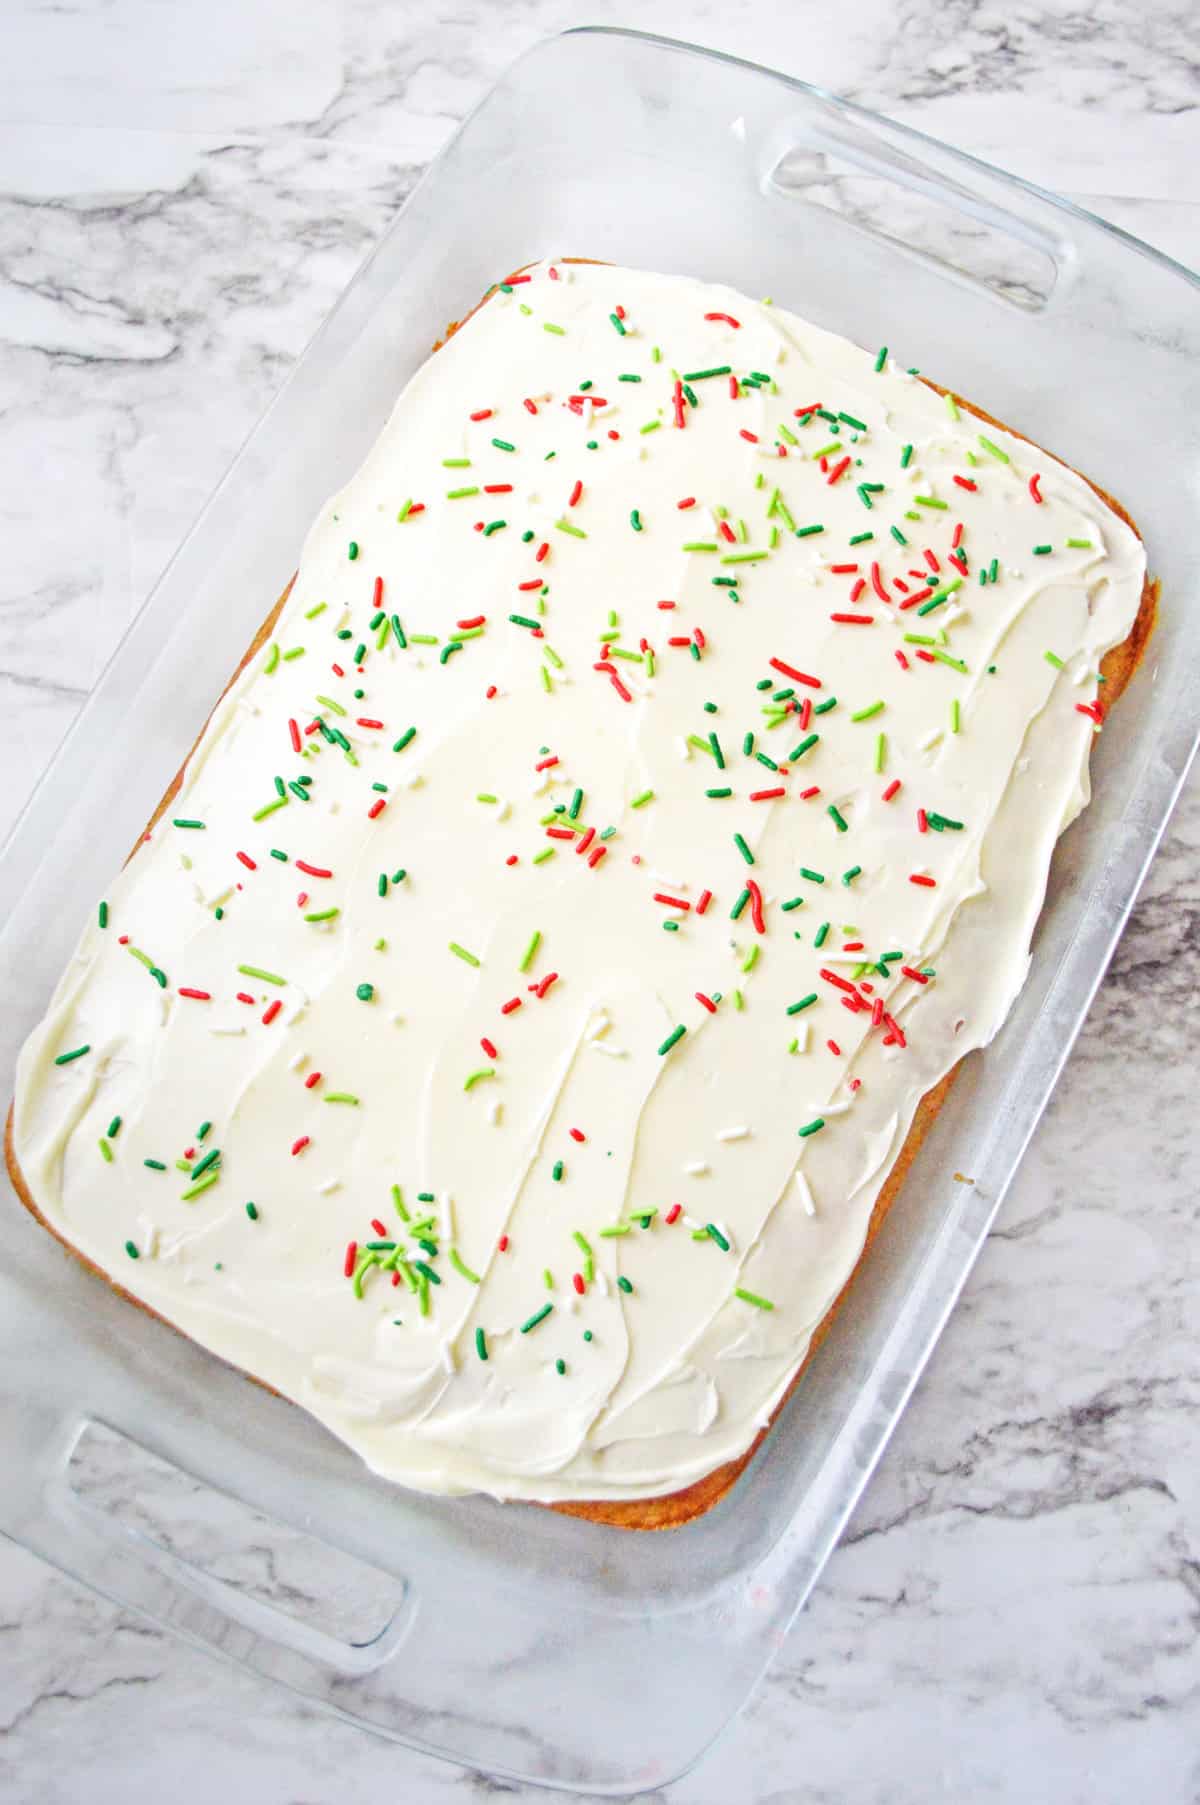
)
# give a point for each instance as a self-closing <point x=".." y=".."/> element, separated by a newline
<point x="1013" y="1613"/>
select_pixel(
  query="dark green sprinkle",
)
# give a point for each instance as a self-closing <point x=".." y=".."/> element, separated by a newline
<point x="624" y="1283"/>
<point x="538" y="1316"/>
<point x="364" y="992"/>
<point x="252" y="1211"/>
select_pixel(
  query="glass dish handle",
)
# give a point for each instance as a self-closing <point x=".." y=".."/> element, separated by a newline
<point x="113" y="1528"/>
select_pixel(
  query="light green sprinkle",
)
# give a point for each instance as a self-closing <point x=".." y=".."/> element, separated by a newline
<point x="641" y="801"/>
<point x="1052" y="658"/>
<point x="106" y="1152"/>
<point x="549" y="326"/>
<point x="256" y="971"/>
<point x="752" y="1297"/>
<point x="994" y="450"/>
<point x="880" y="752"/>
<point x="460" y="952"/>
<point x="272" y="658"/>
<point x="867" y="714"/>
<point x="473" y="1078"/>
<point x="322" y="914"/>
<point x="269" y="808"/>
<point x="744" y="557"/>
<point x="565" y="526"/>
<point x="527" y="957"/>
<point x="460" y="1266"/>
<point x="930" y="501"/>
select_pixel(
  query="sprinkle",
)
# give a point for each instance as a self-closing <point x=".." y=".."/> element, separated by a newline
<point x="75" y="1053"/>
<point x="994" y="450"/>
<point x="838" y="819"/>
<point x="1033" y="487"/>
<point x="487" y="1071"/>
<point x="742" y="847"/>
<point x="460" y="1266"/>
<point x="131" y="1250"/>
<point x="672" y="1039"/>
<point x="711" y="1229"/>
<point x="752" y="1297"/>
<point x="804" y="1003"/>
<point x="538" y="1316"/>
<point x="812" y="1127"/>
<point x="256" y="971"/>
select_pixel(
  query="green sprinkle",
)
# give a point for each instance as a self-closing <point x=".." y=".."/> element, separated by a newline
<point x="742" y="847"/>
<point x="806" y="532"/>
<point x="565" y="526"/>
<point x="535" y="940"/>
<point x="955" y="716"/>
<point x="635" y="520"/>
<point x="406" y="738"/>
<point x="804" y="1003"/>
<point x="641" y="801"/>
<point x="881" y="358"/>
<point x="342" y="1097"/>
<point x="930" y="501"/>
<point x="795" y="902"/>
<point x="461" y="494"/>
<point x="703" y="375"/>
<point x="858" y="425"/>
<point x="752" y="1297"/>
<point x="364" y="992"/>
<point x="838" y="819"/>
<point x="1052" y="658"/>
<point x="155" y="1165"/>
<point x="183" y="823"/>
<point x="210" y="1178"/>
<point x="460" y="952"/>
<point x="814" y="877"/>
<point x="352" y="550"/>
<point x="623" y="1283"/>
<point x="503" y="445"/>
<point x="322" y="914"/>
<point x="848" y="877"/>
<point x="906" y="457"/>
<point x="831" y="702"/>
<point x="672" y="1039"/>
<point x="256" y="971"/>
<point x="711" y="1229"/>
<point x="102" y="914"/>
<point x="1040" y="551"/>
<point x="131" y="1250"/>
<point x="523" y="620"/>
<point x="811" y="1127"/>
<point x="867" y="714"/>
<point x="822" y="932"/>
<point x="717" y="795"/>
<point x="272" y="659"/>
<point x="106" y="1151"/>
<point x="1082" y="545"/>
<point x="650" y="426"/>
<point x="460" y="1266"/>
<point x="538" y="1316"/>
<point x="861" y="538"/>
<point x="75" y="1053"/>
<point x="880" y="751"/>
<point x="805" y="745"/>
<point x="699" y="545"/>
<point x="994" y="449"/>
<point x="745" y="557"/>
<point x="715" y="748"/>
<point x="473" y="1078"/>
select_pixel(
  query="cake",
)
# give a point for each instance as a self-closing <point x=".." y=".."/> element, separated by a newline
<point x="526" y="1001"/>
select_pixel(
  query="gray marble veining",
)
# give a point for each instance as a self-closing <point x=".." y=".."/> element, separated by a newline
<point x="1013" y="1613"/>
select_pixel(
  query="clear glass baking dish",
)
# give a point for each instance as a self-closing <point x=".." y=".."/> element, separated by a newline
<point x="516" y="1639"/>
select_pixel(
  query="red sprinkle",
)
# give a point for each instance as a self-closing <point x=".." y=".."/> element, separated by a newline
<point x="583" y="844"/>
<point x="844" y="570"/>
<point x="312" y="870"/>
<point x="485" y="413"/>
<point x="201" y="996"/>
<point x="243" y="998"/>
<point x="767" y="795"/>
<point x="300" y="1145"/>
<point x="1033" y="489"/>
<point x="910" y="601"/>
<point x="577" y="1281"/>
<point x="877" y="584"/>
<point x="854" y="620"/>
<point x="831" y="977"/>
<point x="805" y="714"/>
<point x="677" y="400"/>
<point x="365" y="721"/>
<point x="377" y="593"/>
<point x="901" y="660"/>
<point x="964" y="482"/>
<point x="839" y="469"/>
<point x="928" y="883"/>
<point x="893" y="789"/>
<point x="707" y="1002"/>
<point x="958" y="533"/>
<point x="931" y="560"/>
<point x="378" y="1226"/>
<point x="294" y="733"/>
<point x="672" y="902"/>
<point x="247" y="861"/>
<point x="756" y="906"/>
<point x="497" y="488"/>
<point x="702" y="903"/>
<point x="351" y="1255"/>
<point x="727" y="532"/>
<point x="789" y="670"/>
<point x="577" y="1134"/>
<point x="674" y="1213"/>
<point x="377" y="808"/>
<point x="752" y="437"/>
<point x="313" y="1078"/>
<point x="689" y="501"/>
<point x="271" y="1011"/>
<point x="834" y="1048"/>
<point x="726" y="319"/>
<point x="544" y="764"/>
<point x="560" y="833"/>
<point x="918" y="977"/>
<point x="489" y="1047"/>
<point x="1092" y="710"/>
<point x="512" y="1003"/>
<point x="859" y="589"/>
<point x="595" y="856"/>
<point x="922" y="821"/>
<point x="531" y="406"/>
<point x="502" y="1244"/>
<point x="542" y="553"/>
<point x="576" y="492"/>
<point x="476" y="620"/>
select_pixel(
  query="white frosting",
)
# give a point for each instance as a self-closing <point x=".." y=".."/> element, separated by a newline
<point x="679" y="1370"/>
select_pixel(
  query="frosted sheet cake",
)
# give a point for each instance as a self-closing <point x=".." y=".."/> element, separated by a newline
<point x="511" y="1027"/>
